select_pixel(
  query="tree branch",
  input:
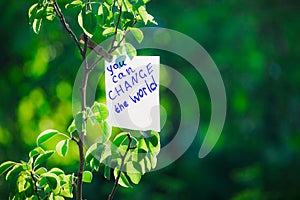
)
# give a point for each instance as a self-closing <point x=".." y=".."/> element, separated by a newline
<point x="112" y="49"/>
<point x="34" y="187"/>
<point x="116" y="28"/>
<point x="83" y="132"/>
<point x="111" y="195"/>
<point x="83" y="52"/>
<point x="66" y="25"/>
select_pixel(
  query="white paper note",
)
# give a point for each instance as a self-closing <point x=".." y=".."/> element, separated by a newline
<point x="132" y="92"/>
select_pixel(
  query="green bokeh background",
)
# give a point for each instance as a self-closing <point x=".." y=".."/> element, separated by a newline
<point x="256" y="48"/>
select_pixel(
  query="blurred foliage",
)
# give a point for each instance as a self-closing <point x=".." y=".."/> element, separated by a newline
<point x="256" y="48"/>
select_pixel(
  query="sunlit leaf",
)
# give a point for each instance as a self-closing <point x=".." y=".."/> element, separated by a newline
<point x="88" y="22"/>
<point x="36" y="151"/>
<point x="41" y="170"/>
<point x="109" y="2"/>
<point x="16" y="169"/>
<point x="130" y="50"/>
<point x="72" y="127"/>
<point x="43" y="157"/>
<point x="120" y="139"/>
<point x="138" y="34"/>
<point x="145" y="16"/>
<point x="46" y="135"/>
<point x="123" y="181"/>
<point x="36" y="25"/>
<point x="134" y="177"/>
<point x="100" y="111"/>
<point x="23" y="183"/>
<point x="108" y="31"/>
<point x="32" y="12"/>
<point x="74" y="4"/>
<point x="142" y="145"/>
<point x="6" y="166"/>
<point x="57" y="171"/>
<point x="53" y="181"/>
<point x="87" y="176"/>
<point x="62" y="147"/>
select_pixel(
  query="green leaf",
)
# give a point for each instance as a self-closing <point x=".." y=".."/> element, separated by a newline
<point x="128" y="15"/>
<point x="107" y="170"/>
<point x="145" y="16"/>
<point x="43" y="157"/>
<point x="72" y="127"/>
<point x="120" y="139"/>
<point x="16" y="169"/>
<point x="74" y="4"/>
<point x="130" y="50"/>
<point x="36" y="151"/>
<point x="6" y="166"/>
<point x="100" y="111"/>
<point x="32" y="12"/>
<point x="41" y="170"/>
<point x="33" y="197"/>
<point x="99" y="132"/>
<point x="36" y="25"/>
<point x="88" y="22"/>
<point x="66" y="191"/>
<point x="153" y="143"/>
<point x="57" y="171"/>
<point x="53" y="181"/>
<point x="142" y="145"/>
<point x="138" y="34"/>
<point x="94" y="150"/>
<point x="105" y="15"/>
<point x="108" y="31"/>
<point x="106" y="131"/>
<point x="87" y="176"/>
<point x="50" y="13"/>
<point x="109" y="2"/>
<point x="147" y="163"/>
<point x="95" y="164"/>
<point x="62" y="147"/>
<point x="22" y="183"/>
<point x="153" y="159"/>
<point x="133" y="1"/>
<point x="58" y="198"/>
<point x="79" y="121"/>
<point x="46" y="135"/>
<point x="40" y="13"/>
<point x="134" y="177"/>
<point x="123" y="181"/>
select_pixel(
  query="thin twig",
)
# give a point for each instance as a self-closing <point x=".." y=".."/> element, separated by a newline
<point x="112" y="49"/>
<point x="116" y="28"/>
<point x="35" y="187"/>
<point x="66" y="25"/>
<point x="111" y="195"/>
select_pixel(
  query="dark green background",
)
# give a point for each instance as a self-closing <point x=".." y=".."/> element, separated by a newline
<point x="256" y="48"/>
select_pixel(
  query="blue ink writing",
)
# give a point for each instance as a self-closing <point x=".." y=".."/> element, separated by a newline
<point x="143" y="91"/>
<point x="121" y="106"/>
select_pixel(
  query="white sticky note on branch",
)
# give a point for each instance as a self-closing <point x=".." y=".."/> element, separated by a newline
<point x="132" y="92"/>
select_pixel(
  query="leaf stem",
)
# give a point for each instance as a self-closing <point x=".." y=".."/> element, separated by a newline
<point x="34" y="186"/>
<point x="111" y="195"/>
<point x="66" y="25"/>
<point x="116" y="28"/>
